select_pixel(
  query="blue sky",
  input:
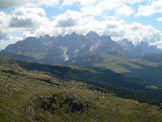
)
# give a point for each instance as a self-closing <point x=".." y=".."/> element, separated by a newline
<point x="136" y="20"/>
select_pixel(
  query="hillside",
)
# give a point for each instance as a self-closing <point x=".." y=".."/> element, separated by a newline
<point x="143" y="68"/>
<point x="30" y="95"/>
<point x="91" y="75"/>
<point x="121" y="85"/>
<point x="153" y="57"/>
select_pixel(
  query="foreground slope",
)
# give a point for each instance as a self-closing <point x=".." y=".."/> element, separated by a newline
<point x="35" y="96"/>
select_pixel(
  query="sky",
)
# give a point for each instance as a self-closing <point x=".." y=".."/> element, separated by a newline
<point x="136" y="20"/>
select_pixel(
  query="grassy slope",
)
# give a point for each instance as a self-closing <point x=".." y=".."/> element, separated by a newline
<point x="148" y="71"/>
<point x="21" y="90"/>
<point x="115" y="63"/>
<point x="123" y="86"/>
<point x="96" y="75"/>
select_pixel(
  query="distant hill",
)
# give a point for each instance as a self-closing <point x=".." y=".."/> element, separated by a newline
<point x="147" y="68"/>
<point x="153" y="57"/>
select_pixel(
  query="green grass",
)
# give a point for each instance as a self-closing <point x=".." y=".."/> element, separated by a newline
<point x="23" y="91"/>
<point x="116" y="63"/>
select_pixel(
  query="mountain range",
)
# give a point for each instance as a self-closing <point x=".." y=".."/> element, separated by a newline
<point x="57" y="50"/>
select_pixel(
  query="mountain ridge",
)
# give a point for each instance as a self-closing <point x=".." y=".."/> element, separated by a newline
<point x="50" y="49"/>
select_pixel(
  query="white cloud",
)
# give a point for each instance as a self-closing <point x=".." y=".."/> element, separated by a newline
<point x="159" y="19"/>
<point x="68" y="19"/>
<point x="100" y="7"/>
<point x="82" y="2"/>
<point x="94" y="11"/>
<point x="31" y="21"/>
<point x="69" y="2"/>
<point x="95" y="2"/>
<point x="134" y="1"/>
<point x="135" y="32"/>
<point x="79" y="23"/>
<point x="37" y="24"/>
<point x="27" y="17"/>
<point x="21" y="23"/>
<point x="124" y="11"/>
<point x="4" y="20"/>
<point x="5" y="4"/>
<point x="4" y="31"/>
<point x="154" y="8"/>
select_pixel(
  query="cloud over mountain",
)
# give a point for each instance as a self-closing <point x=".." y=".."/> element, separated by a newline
<point x="106" y="17"/>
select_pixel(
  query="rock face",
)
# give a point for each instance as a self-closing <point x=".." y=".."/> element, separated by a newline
<point x="56" y="50"/>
